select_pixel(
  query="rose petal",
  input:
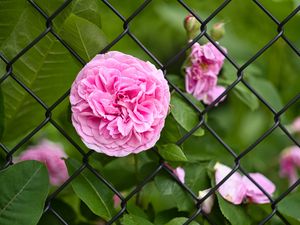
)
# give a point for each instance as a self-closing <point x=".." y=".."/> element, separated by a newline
<point x="254" y="194"/>
<point x="233" y="189"/>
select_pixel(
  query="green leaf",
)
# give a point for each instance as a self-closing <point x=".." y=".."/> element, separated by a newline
<point x="176" y="80"/>
<point x="61" y="207"/>
<point x="129" y="219"/>
<point x="86" y="38"/>
<point x="91" y="191"/>
<point x="180" y="221"/>
<point x="126" y="165"/>
<point x="246" y="96"/>
<point x="172" y="152"/>
<point x="234" y="213"/>
<point x="133" y="209"/>
<point x="289" y="206"/>
<point x="1" y="114"/>
<point x="240" y="91"/>
<point x="168" y="187"/>
<point x="196" y="177"/>
<point x="150" y="195"/>
<point x="167" y="215"/>
<point x="185" y="115"/>
<point x="91" y="12"/>
<point x="11" y="13"/>
<point x="170" y="132"/>
<point x="23" y="188"/>
<point x="267" y="90"/>
<point x="45" y="67"/>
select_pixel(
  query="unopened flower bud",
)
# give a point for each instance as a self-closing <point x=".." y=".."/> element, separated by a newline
<point x="208" y="203"/>
<point x="192" y="26"/>
<point x="217" y="31"/>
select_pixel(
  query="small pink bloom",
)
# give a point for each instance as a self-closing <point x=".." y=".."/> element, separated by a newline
<point x="208" y="57"/>
<point x="201" y="76"/>
<point x="180" y="173"/>
<point x="208" y="203"/>
<point x="51" y="155"/>
<point x="295" y="127"/>
<point x="254" y="194"/>
<point x="119" y="104"/>
<point x="233" y="189"/>
<point x="117" y="201"/>
<point x="289" y="162"/>
<point x="237" y="187"/>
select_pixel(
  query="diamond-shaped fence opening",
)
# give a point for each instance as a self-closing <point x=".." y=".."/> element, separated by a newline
<point x="212" y="145"/>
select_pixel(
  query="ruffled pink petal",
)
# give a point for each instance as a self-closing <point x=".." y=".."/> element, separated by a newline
<point x="254" y="194"/>
<point x="119" y="104"/>
<point x="233" y="189"/>
<point x="213" y="94"/>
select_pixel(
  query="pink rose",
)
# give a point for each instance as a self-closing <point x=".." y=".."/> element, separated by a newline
<point x="52" y="155"/>
<point x="238" y="188"/>
<point x="119" y="104"/>
<point x="208" y="57"/>
<point x="202" y="75"/>
<point x="289" y="161"/>
<point x="295" y="127"/>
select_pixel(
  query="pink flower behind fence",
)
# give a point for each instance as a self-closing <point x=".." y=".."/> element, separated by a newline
<point x="237" y="188"/>
<point x="52" y="155"/>
<point x="119" y="104"/>
<point x="289" y="162"/>
<point x="201" y="76"/>
<point x="253" y="193"/>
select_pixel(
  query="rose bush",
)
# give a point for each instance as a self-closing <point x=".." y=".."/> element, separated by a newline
<point x="119" y="104"/>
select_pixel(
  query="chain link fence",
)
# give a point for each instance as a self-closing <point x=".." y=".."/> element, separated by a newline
<point x="161" y="166"/>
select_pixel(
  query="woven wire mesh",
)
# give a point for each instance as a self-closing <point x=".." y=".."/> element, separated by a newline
<point x="161" y="166"/>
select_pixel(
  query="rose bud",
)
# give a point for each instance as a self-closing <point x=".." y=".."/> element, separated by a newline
<point x="192" y="26"/>
<point x="217" y="31"/>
